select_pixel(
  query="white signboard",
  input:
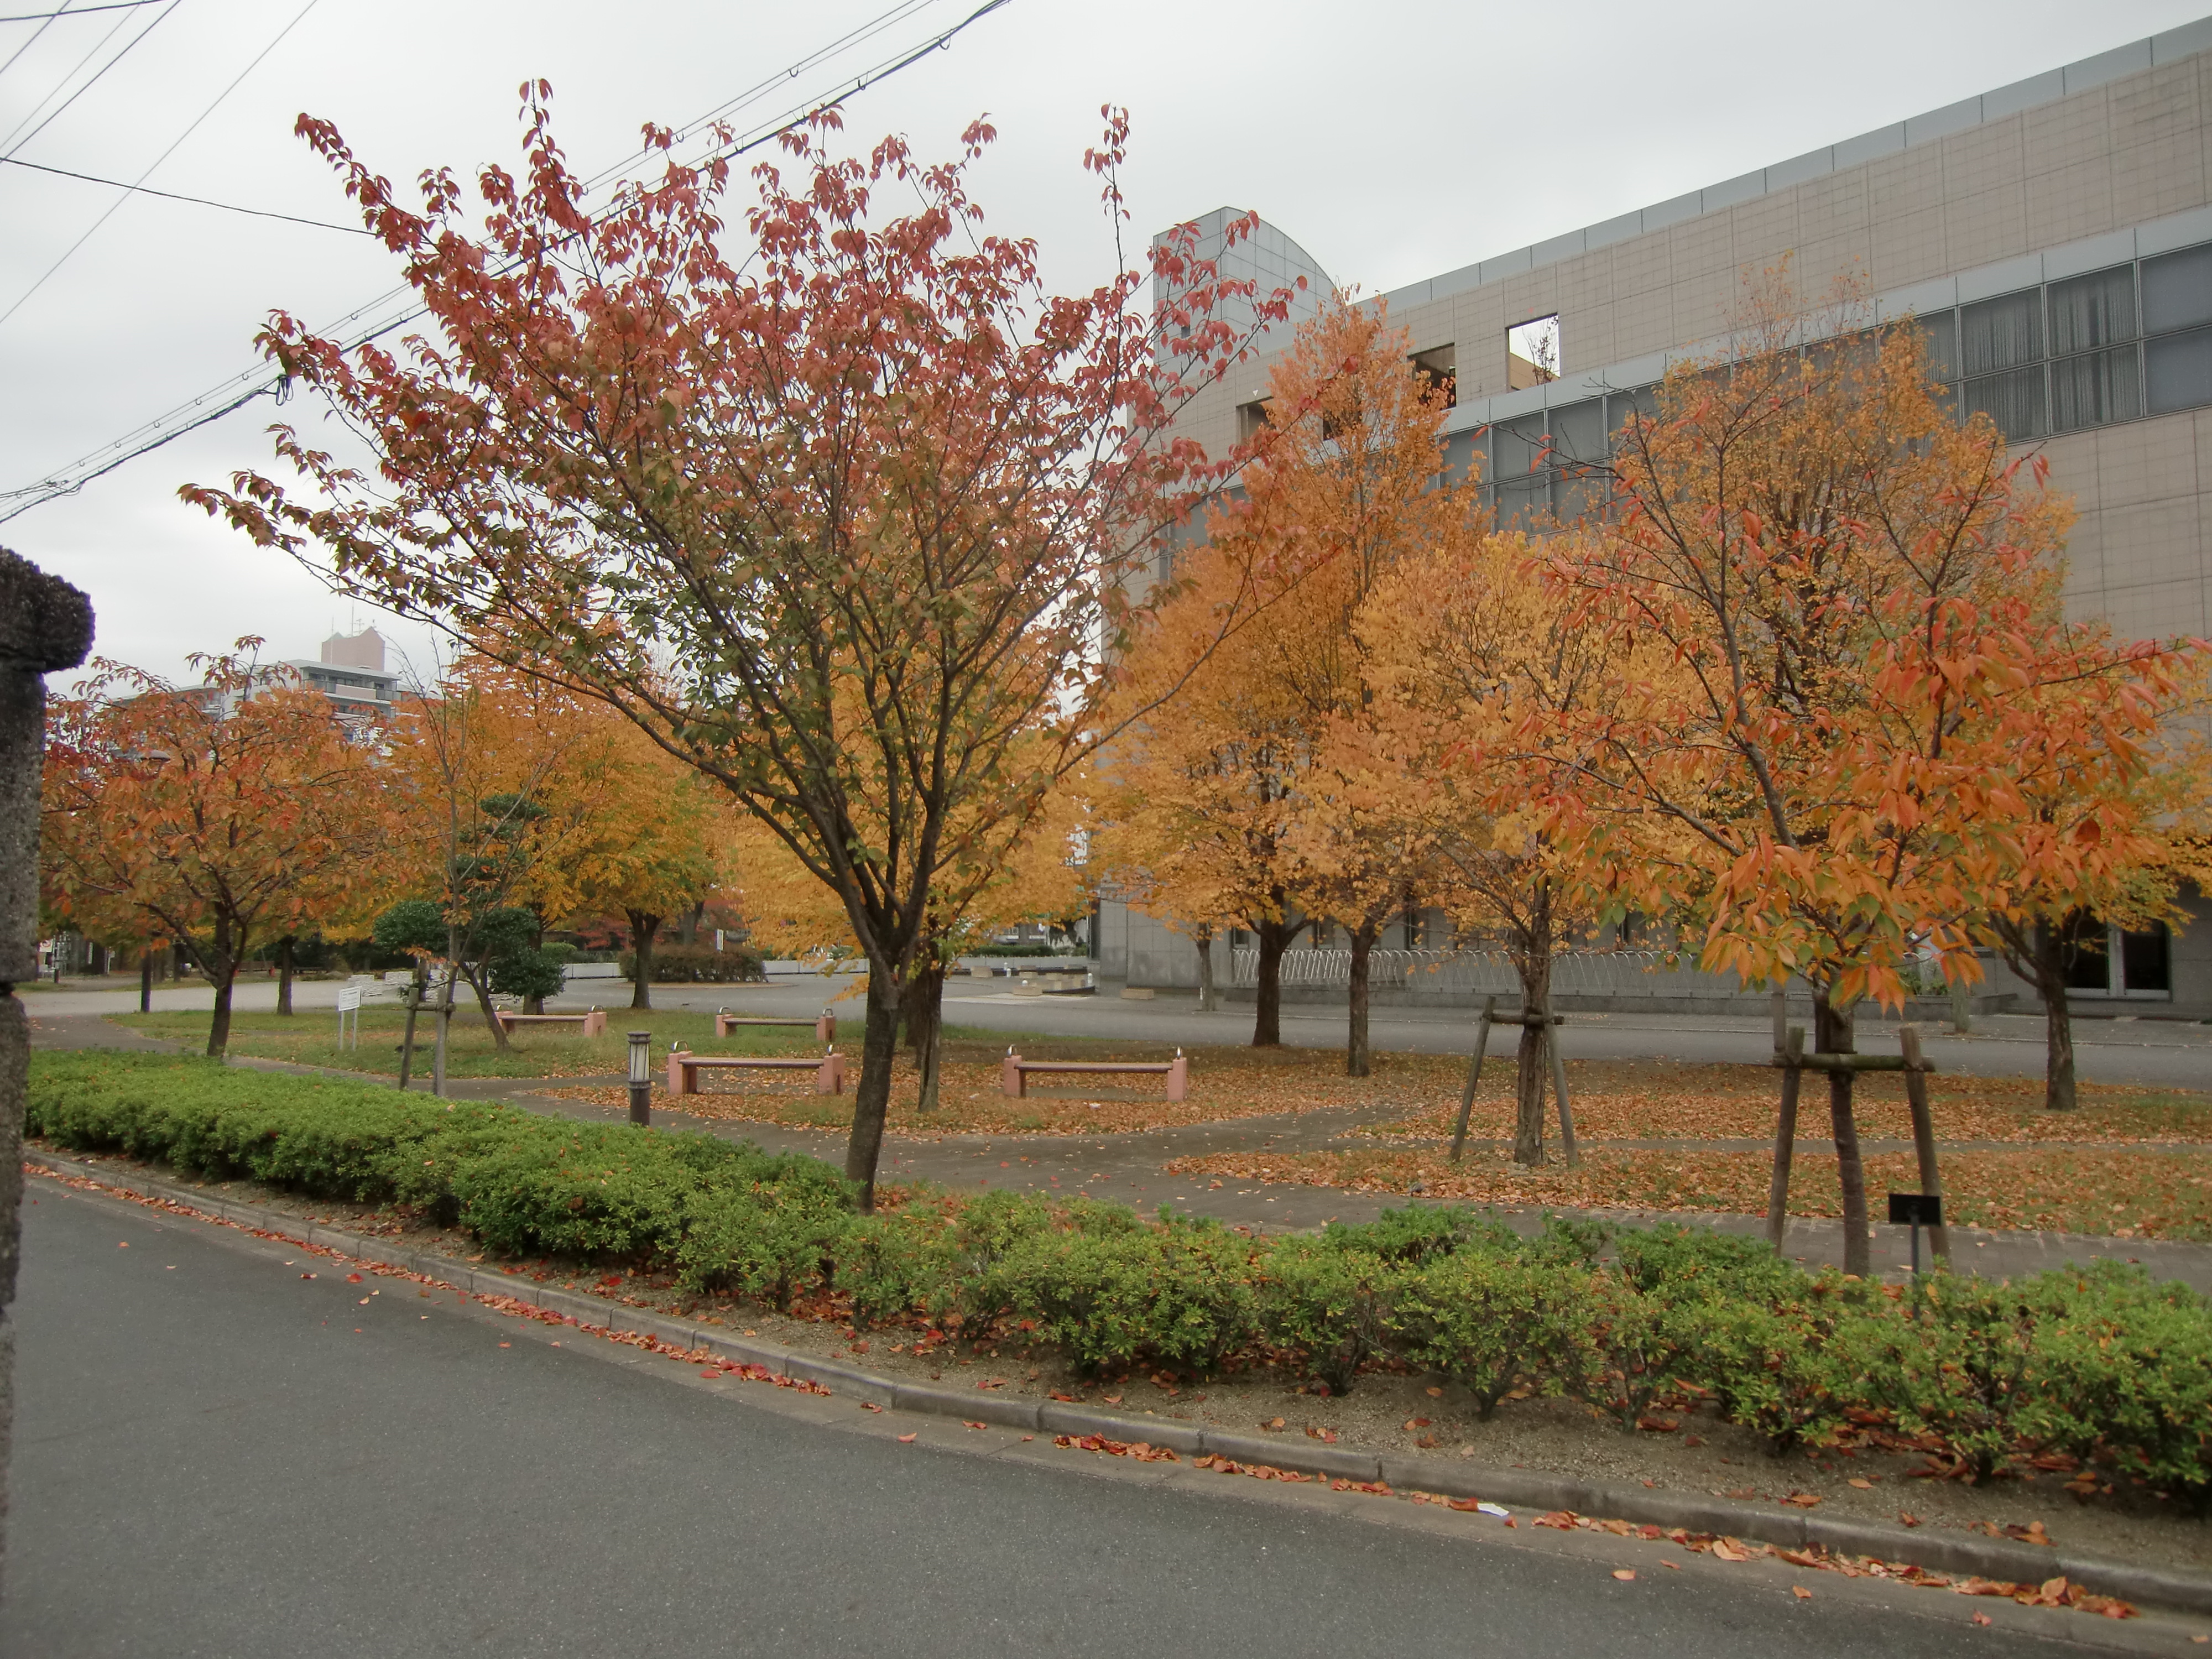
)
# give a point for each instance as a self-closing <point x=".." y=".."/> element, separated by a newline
<point x="349" y="999"/>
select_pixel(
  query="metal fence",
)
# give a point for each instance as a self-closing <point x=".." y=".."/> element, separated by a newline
<point x="1483" y="973"/>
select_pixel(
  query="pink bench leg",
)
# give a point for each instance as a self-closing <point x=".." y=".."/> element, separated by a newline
<point x="1010" y="1076"/>
<point x="829" y="1075"/>
<point x="676" y="1076"/>
<point x="1178" y="1078"/>
<point x="595" y="1022"/>
<point x="825" y="1029"/>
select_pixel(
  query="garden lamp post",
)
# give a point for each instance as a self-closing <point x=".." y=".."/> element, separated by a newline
<point x="641" y="1077"/>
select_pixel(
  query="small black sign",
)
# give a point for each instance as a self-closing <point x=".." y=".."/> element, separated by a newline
<point x="1916" y="1209"/>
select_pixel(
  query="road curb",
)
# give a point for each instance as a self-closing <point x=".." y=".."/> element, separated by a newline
<point x="1942" y="1552"/>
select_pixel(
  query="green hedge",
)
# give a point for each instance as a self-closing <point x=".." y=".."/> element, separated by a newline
<point x="700" y="964"/>
<point x="2104" y="1364"/>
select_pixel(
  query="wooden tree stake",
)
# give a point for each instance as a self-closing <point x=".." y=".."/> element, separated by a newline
<point x="1559" y="1088"/>
<point x="1788" y="1052"/>
<point x="1474" y="1076"/>
<point x="1923" y="1132"/>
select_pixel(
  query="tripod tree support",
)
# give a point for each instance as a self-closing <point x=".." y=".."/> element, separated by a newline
<point x="1923" y="1133"/>
<point x="1789" y="1054"/>
<point x="1474" y="1076"/>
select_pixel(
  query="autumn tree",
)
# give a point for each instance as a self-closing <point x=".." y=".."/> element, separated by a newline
<point x="1483" y="679"/>
<point x="1854" y="591"/>
<point x="1351" y="482"/>
<point x="846" y="516"/>
<point x="2116" y="760"/>
<point x="224" y="815"/>
<point x="1199" y="802"/>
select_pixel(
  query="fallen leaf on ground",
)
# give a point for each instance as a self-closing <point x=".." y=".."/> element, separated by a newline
<point x="1273" y="1423"/>
<point x="1863" y="1485"/>
<point x="1624" y="1573"/>
<point x="906" y="1439"/>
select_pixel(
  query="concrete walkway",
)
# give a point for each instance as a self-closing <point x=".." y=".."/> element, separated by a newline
<point x="1130" y="1169"/>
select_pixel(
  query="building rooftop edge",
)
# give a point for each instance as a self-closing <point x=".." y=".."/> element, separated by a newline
<point x="2184" y="40"/>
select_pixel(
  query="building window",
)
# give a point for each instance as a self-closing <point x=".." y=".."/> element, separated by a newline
<point x="1532" y="353"/>
<point x="1250" y="417"/>
<point x="1438" y="370"/>
<point x="2104" y="961"/>
<point x="2178" y="371"/>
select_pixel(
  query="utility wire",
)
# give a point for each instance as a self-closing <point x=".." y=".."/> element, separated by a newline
<point x="261" y="380"/>
<point x="158" y="160"/>
<point x="197" y="201"/>
<point x="33" y="40"/>
<point x="79" y="11"/>
<point x="14" y="144"/>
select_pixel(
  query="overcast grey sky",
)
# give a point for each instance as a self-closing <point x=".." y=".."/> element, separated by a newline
<point x="1393" y="140"/>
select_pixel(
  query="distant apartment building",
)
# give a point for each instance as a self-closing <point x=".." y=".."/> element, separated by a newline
<point x="2054" y="240"/>
<point x="350" y="673"/>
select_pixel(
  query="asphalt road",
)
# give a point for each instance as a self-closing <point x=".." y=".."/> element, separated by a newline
<point x="217" y="1456"/>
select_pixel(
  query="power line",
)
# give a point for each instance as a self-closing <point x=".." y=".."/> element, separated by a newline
<point x="79" y="11"/>
<point x="261" y="380"/>
<point x="172" y="196"/>
<point x="14" y="144"/>
<point x="116" y="203"/>
<point x="33" y="40"/>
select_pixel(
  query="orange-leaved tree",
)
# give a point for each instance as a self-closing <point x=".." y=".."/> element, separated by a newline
<point x="1482" y="679"/>
<point x="1857" y="594"/>
<point x="2116" y="760"/>
<point x="225" y="816"/>
<point x="1351" y="482"/>
<point x="848" y="516"/>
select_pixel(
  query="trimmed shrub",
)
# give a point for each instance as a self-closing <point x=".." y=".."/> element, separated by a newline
<point x="1419" y="1232"/>
<point x="1178" y="1295"/>
<point x="1495" y="1323"/>
<point x="699" y="964"/>
<point x="1328" y="1303"/>
<point x="890" y="1265"/>
<point x="1954" y="1365"/>
<point x="764" y="1241"/>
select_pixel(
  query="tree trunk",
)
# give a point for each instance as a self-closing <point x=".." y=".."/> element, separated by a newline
<point x="222" y="967"/>
<point x="1832" y="1035"/>
<point x="644" y="929"/>
<point x="284" y="975"/>
<point x="1357" y="1058"/>
<point x="146" y="980"/>
<point x="2058" y="1020"/>
<point x="444" y="1010"/>
<point x="534" y="1004"/>
<point x="176" y="961"/>
<point x="479" y="979"/>
<point x="872" y="1097"/>
<point x="414" y="987"/>
<point x="1531" y="961"/>
<point x="1275" y="938"/>
<point x="1208" y="998"/>
<point x="925" y="1028"/>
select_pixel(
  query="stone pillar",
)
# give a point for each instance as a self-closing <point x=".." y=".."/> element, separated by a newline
<point x="45" y="625"/>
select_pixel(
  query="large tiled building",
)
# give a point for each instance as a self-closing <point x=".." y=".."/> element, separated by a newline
<point x="2054" y="239"/>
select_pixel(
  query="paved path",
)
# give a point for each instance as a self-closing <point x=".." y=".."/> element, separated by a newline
<point x="217" y="1458"/>
<point x="1130" y="1168"/>
<point x="2154" y="1053"/>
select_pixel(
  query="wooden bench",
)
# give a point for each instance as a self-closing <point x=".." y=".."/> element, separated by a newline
<point x="1014" y="1074"/>
<point x="825" y="1028"/>
<point x="594" y="1024"/>
<point x="683" y="1069"/>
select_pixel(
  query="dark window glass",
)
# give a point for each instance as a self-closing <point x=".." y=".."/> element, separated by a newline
<point x="2095" y="390"/>
<point x="1578" y="432"/>
<point x="1521" y="505"/>
<point x="2002" y="333"/>
<point x="2143" y="960"/>
<point x="1939" y="344"/>
<point x="1517" y="446"/>
<point x="2013" y="401"/>
<point x="2178" y="371"/>
<point x="1622" y="407"/>
<point x="1464" y="456"/>
<point x="2092" y="311"/>
<point x="2177" y="290"/>
<point x="2083" y="948"/>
